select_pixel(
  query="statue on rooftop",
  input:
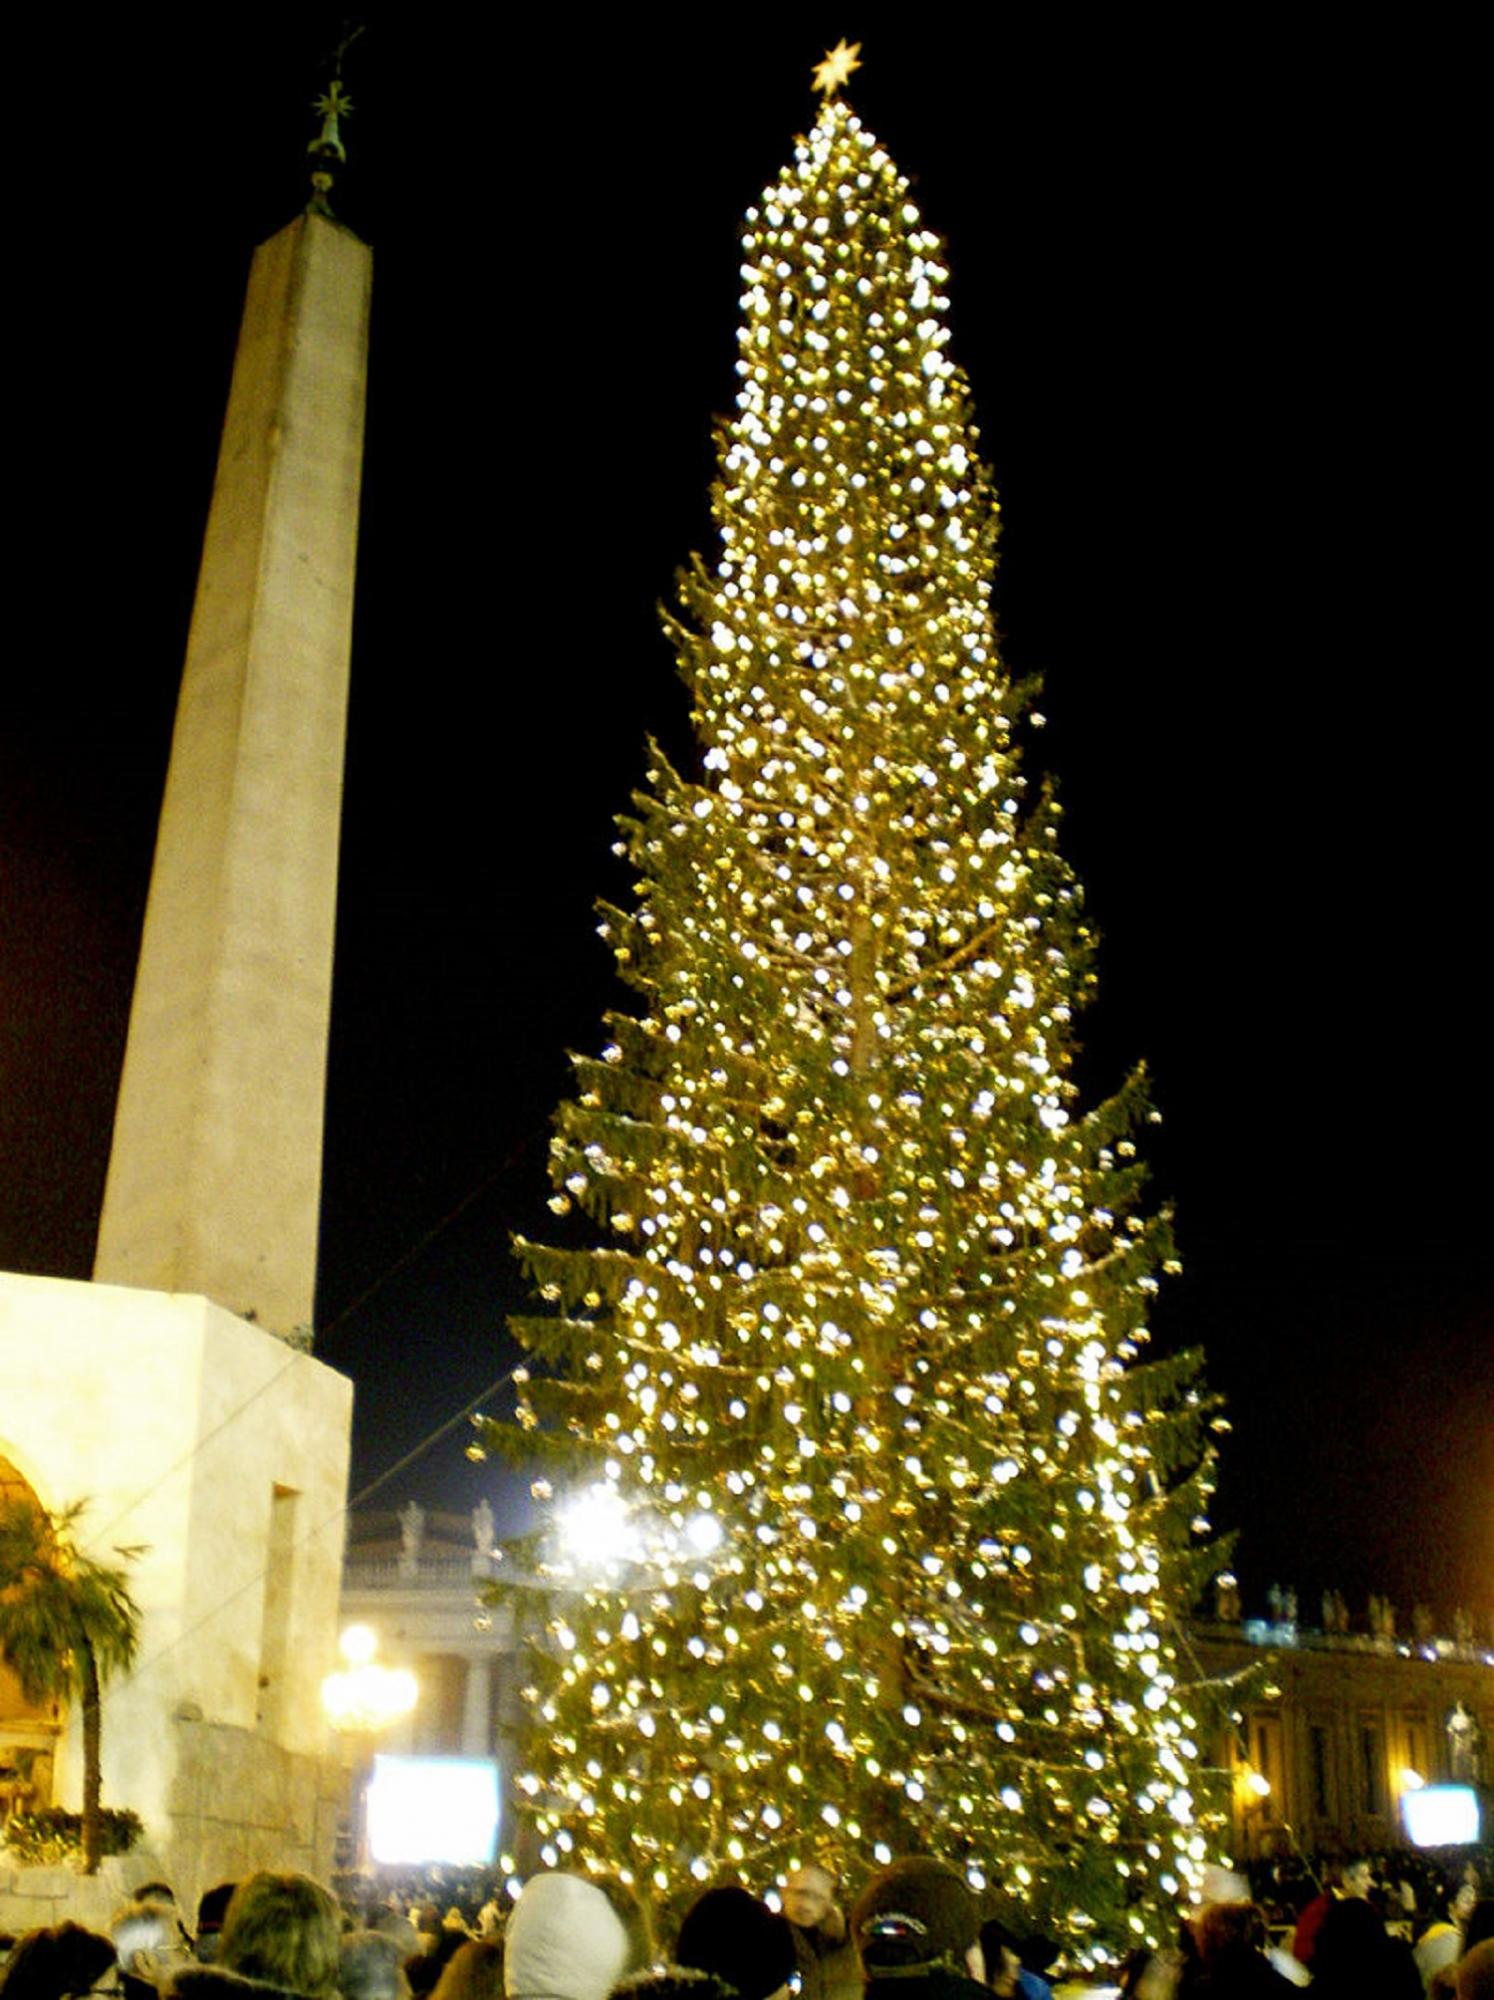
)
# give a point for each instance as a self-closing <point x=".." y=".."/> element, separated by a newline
<point x="411" y="1532"/>
<point x="1465" y="1746"/>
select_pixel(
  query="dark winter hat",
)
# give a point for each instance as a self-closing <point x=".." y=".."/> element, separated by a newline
<point x="732" y="1935"/>
<point x="64" y="1960"/>
<point x="915" y="1912"/>
<point x="212" y="1908"/>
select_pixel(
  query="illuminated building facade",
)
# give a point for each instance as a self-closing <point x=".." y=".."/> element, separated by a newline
<point x="1342" y="1724"/>
<point x="417" y="1578"/>
<point x="1339" y="1725"/>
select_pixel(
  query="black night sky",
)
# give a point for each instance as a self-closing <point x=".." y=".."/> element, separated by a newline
<point x="1214" y="285"/>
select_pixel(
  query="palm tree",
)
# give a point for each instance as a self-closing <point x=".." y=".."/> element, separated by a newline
<point x="67" y="1622"/>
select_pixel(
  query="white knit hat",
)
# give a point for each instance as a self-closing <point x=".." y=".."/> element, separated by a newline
<point x="564" y="1941"/>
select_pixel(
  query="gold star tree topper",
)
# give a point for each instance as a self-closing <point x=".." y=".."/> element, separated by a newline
<point x="837" y="66"/>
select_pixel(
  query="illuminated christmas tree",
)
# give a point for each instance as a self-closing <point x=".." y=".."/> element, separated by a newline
<point x="877" y="1525"/>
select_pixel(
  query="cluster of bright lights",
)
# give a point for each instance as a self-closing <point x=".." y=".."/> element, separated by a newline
<point x="598" y="1532"/>
<point x="880" y="1554"/>
<point x="362" y="1697"/>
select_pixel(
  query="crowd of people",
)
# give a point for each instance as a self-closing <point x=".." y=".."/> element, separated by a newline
<point x="916" y="1931"/>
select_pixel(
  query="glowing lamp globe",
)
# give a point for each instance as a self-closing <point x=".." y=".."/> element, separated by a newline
<point x="362" y="1697"/>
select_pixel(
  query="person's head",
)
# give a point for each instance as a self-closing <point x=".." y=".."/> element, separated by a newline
<point x="1476" y="1972"/>
<point x="473" y="1972"/>
<point x="1227" y="1932"/>
<point x="808" y="1895"/>
<point x="1462" y="1903"/>
<point x="396" y="1925"/>
<point x="371" y="1966"/>
<point x="568" y="1939"/>
<point x="1002" y="1953"/>
<point x="1223" y="1885"/>
<point x="1480" y="1924"/>
<point x="631" y="1914"/>
<point x="1357" y="1877"/>
<point x="1151" y="1975"/>
<point x="919" y="1912"/>
<point x="56" y="1963"/>
<point x="149" y="1945"/>
<point x="286" y="1930"/>
<point x="730" y="1934"/>
<point x="212" y="1908"/>
<point x="1349" y="1953"/>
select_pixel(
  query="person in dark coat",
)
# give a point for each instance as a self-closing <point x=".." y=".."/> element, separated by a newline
<point x="731" y="1935"/>
<point x="56" y="1963"/>
<point x="731" y="1946"/>
<point x="1007" y="1974"/>
<point x="282" y="1940"/>
<point x="829" y="1968"/>
<point x="917" y="1927"/>
<point x="1354" y="1957"/>
<point x="1231" y="1964"/>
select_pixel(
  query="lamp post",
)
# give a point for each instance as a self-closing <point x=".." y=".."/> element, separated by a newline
<point x="359" y="1700"/>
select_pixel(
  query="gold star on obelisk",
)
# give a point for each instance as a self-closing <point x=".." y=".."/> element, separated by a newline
<point x="837" y="66"/>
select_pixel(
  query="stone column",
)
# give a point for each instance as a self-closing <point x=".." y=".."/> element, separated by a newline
<point x="215" y="1173"/>
<point x="477" y="1707"/>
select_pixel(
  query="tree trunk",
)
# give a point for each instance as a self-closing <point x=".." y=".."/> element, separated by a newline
<point x="93" y="1781"/>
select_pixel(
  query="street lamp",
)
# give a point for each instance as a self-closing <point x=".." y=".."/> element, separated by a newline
<point x="359" y="1700"/>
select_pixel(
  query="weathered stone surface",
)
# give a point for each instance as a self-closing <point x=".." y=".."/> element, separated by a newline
<point x="223" y="1454"/>
<point x="33" y="1898"/>
<point x="215" y="1172"/>
<point x="238" y="1804"/>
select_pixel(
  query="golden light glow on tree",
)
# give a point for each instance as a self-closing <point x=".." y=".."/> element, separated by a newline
<point x="856" y="1362"/>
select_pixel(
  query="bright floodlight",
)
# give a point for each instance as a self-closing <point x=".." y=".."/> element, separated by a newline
<point x="426" y="1809"/>
<point x="363" y="1697"/>
<point x="704" y="1533"/>
<point x="1441" y="1816"/>
<point x="594" y="1527"/>
<point x="358" y="1644"/>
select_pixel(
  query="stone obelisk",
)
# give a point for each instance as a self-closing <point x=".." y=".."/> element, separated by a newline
<point x="214" y="1450"/>
<point x="214" y="1176"/>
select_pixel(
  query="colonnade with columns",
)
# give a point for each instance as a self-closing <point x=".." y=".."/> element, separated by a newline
<point x="418" y="1580"/>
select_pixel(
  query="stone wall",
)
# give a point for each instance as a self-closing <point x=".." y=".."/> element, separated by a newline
<point x="36" y="1898"/>
<point x="239" y="1804"/>
<point x="221" y="1454"/>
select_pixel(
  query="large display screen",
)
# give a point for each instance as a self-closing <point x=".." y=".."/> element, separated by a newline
<point x="1441" y="1815"/>
<point x="433" y="1809"/>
